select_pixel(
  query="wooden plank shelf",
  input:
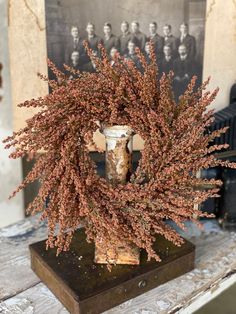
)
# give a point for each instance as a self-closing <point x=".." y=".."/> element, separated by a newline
<point x="85" y="287"/>
<point x="21" y="291"/>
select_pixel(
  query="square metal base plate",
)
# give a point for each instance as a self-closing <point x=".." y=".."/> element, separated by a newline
<point x="85" y="287"/>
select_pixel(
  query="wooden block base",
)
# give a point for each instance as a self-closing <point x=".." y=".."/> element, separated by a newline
<point x="122" y="256"/>
<point x="85" y="287"/>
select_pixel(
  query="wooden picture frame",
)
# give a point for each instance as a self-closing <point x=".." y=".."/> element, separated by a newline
<point x="28" y="53"/>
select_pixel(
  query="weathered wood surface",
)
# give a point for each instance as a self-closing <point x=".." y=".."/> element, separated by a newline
<point x="15" y="272"/>
<point x="21" y="291"/>
<point x="37" y="299"/>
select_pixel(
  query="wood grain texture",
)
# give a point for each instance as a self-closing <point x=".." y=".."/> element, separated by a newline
<point x="28" y="54"/>
<point x="215" y="260"/>
<point x="122" y="255"/>
<point x="36" y="300"/>
<point x="15" y="272"/>
<point x="10" y="169"/>
<point x="21" y="292"/>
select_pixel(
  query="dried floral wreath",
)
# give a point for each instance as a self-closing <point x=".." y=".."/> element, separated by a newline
<point x="164" y="186"/>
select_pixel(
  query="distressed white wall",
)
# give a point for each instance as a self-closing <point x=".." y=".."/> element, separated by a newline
<point x="220" y="48"/>
<point x="28" y="56"/>
<point x="10" y="170"/>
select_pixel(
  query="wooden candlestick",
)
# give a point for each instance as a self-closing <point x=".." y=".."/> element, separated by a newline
<point x="119" y="144"/>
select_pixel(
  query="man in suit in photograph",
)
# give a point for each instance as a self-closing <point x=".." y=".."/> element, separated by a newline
<point x="184" y="68"/>
<point x="89" y="66"/>
<point x="187" y="40"/>
<point x="124" y="38"/>
<point x="109" y="39"/>
<point x="170" y="40"/>
<point x="74" y="44"/>
<point x="147" y="52"/>
<point x="147" y="55"/>
<point x="132" y="55"/>
<point x="166" y="64"/>
<point x="112" y="55"/>
<point x="156" y="39"/>
<point x="92" y="38"/>
<point x="75" y="63"/>
<point x="138" y="36"/>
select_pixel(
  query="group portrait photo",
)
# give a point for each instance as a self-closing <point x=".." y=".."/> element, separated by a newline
<point x="174" y="28"/>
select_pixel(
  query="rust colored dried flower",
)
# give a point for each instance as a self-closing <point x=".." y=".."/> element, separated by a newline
<point x="164" y="186"/>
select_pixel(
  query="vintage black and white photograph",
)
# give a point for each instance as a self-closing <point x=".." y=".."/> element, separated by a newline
<point x="176" y="29"/>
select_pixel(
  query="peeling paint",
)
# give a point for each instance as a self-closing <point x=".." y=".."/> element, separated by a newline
<point x="17" y="306"/>
<point x="10" y="170"/>
<point x="17" y="230"/>
<point x="119" y="141"/>
<point x="211" y="6"/>
<point x="41" y="28"/>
